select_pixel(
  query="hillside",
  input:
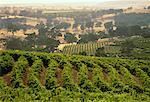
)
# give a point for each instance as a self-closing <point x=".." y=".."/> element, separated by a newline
<point x="32" y="76"/>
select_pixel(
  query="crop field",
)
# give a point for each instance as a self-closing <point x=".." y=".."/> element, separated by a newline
<point x="33" y="76"/>
<point x="89" y="48"/>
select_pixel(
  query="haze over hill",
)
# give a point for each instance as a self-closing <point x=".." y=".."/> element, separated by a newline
<point x="104" y="4"/>
<point x="124" y="4"/>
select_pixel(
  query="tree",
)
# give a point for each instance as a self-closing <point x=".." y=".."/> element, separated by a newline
<point x="89" y="24"/>
<point x="14" y="44"/>
<point x="98" y="24"/>
<point x="12" y="27"/>
<point x="43" y="41"/>
<point x="100" y="52"/>
<point x="49" y="44"/>
<point x="30" y="41"/>
<point x="127" y="47"/>
<point x="42" y="29"/>
<point x="134" y="30"/>
<point x="121" y="31"/>
<point x="82" y="27"/>
<point x="103" y="35"/>
<point x="90" y="37"/>
<point x="63" y="25"/>
<point x="145" y="32"/>
<point x="54" y="32"/>
<point x="70" y="38"/>
<point x="109" y="26"/>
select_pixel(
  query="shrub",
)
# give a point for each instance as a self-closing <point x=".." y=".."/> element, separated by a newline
<point x="51" y="83"/>
<point x="17" y="72"/>
<point x="6" y="64"/>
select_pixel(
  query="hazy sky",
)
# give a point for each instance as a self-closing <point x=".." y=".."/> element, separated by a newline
<point x="51" y="1"/>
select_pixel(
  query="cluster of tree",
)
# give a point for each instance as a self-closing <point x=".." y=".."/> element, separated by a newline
<point x="84" y="24"/>
<point x="129" y="25"/>
<point x="132" y="19"/>
<point x="90" y="37"/>
<point x="70" y="38"/>
<point x="63" y="25"/>
<point x="44" y="41"/>
<point x="100" y="52"/>
<point x="131" y="31"/>
<point x="136" y="47"/>
<point x="83" y="18"/>
<point x="31" y="13"/>
<point x="126" y="30"/>
<point x="14" y="25"/>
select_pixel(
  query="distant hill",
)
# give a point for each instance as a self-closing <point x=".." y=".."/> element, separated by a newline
<point x="124" y="4"/>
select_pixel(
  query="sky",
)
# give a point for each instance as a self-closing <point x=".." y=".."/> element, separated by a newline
<point x="50" y="1"/>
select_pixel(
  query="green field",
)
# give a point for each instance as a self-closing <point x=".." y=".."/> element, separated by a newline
<point x="43" y="77"/>
<point x="89" y="48"/>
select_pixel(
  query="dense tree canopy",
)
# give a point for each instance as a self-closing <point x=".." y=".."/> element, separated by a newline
<point x="70" y="38"/>
<point x="14" y="43"/>
<point x="90" y="37"/>
<point x="100" y="52"/>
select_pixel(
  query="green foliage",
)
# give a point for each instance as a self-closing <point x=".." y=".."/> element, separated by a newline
<point x="89" y="24"/>
<point x="88" y="38"/>
<point x="34" y="75"/>
<point x="34" y="82"/>
<point x="70" y="38"/>
<point x="37" y="67"/>
<point x="84" y="82"/>
<point x="67" y="78"/>
<point x="2" y="84"/>
<point x="33" y="42"/>
<point x="98" y="24"/>
<point x="17" y="72"/>
<point x="143" y="76"/>
<point x="98" y="79"/>
<point x="109" y="25"/>
<point x="12" y="27"/>
<point x="132" y="19"/>
<point x="6" y="64"/>
<point x="51" y="83"/>
<point x="100" y="52"/>
<point x="83" y="78"/>
<point x="136" y="47"/>
<point x="14" y="44"/>
<point x="63" y="25"/>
